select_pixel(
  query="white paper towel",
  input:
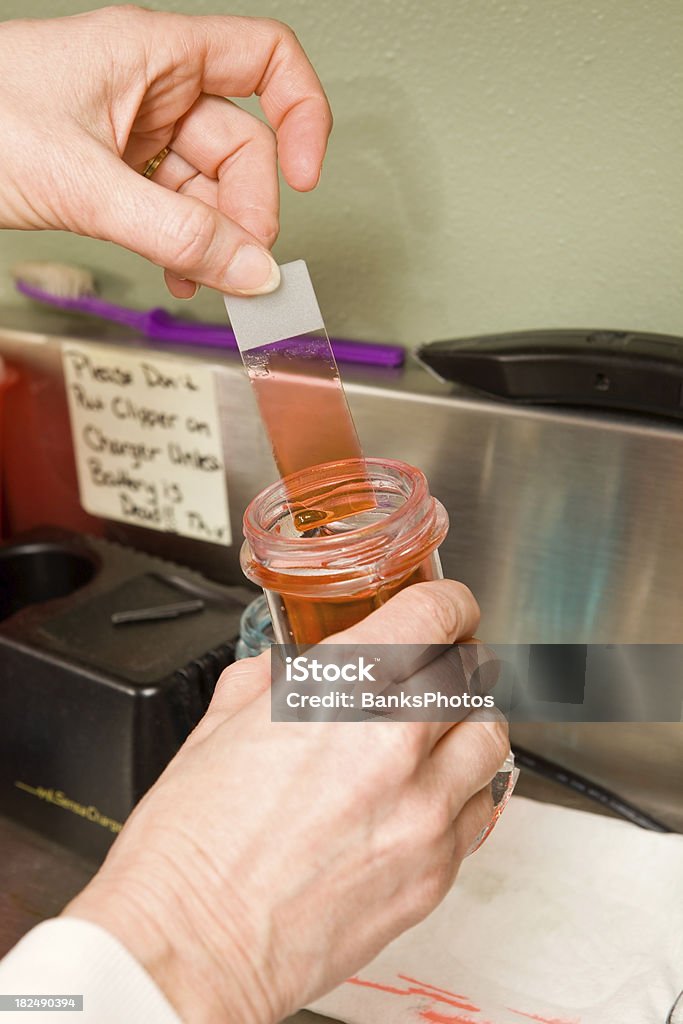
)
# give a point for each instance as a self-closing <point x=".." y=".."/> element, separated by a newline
<point x="562" y="917"/>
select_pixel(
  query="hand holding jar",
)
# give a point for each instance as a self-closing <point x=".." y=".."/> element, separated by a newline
<point x="272" y="860"/>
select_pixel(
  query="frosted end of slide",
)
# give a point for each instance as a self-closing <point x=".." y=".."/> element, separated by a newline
<point x="292" y="309"/>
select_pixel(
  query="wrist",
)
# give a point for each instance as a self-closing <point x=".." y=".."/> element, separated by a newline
<point x="203" y="973"/>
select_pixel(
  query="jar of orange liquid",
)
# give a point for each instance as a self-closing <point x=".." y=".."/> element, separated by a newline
<point x="321" y="576"/>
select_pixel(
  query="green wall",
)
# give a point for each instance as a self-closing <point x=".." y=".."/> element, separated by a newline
<point x="494" y="165"/>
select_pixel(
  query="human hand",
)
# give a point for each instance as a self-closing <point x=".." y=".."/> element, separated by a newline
<point x="272" y="860"/>
<point x="86" y="101"/>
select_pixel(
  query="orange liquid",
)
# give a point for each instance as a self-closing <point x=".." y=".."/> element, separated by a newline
<point x="319" y="587"/>
<point x="304" y="409"/>
<point x="311" y="619"/>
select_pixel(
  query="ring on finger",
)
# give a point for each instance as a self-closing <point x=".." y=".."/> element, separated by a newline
<point x="151" y="165"/>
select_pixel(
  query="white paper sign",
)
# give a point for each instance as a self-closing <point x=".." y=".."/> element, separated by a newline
<point x="147" y="440"/>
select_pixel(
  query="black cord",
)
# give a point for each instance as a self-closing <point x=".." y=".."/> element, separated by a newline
<point x="678" y="1005"/>
<point x="551" y="770"/>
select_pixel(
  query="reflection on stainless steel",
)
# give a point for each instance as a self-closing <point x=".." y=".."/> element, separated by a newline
<point x="589" y="682"/>
<point x="564" y="526"/>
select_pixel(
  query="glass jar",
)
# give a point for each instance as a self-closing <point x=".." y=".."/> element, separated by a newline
<point x="329" y="577"/>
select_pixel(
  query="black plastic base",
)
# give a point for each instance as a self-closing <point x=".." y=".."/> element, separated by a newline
<point x="90" y="713"/>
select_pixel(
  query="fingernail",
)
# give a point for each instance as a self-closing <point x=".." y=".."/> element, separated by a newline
<point x="186" y="298"/>
<point x="252" y="271"/>
<point x="502" y="787"/>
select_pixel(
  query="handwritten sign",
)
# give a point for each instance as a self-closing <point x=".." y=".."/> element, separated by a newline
<point x="147" y="440"/>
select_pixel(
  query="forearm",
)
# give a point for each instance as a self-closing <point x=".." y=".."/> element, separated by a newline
<point x="198" y="959"/>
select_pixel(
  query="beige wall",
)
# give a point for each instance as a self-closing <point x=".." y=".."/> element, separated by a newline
<point x="494" y="165"/>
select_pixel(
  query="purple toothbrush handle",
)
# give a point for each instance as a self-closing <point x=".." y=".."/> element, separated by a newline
<point x="166" y="327"/>
<point x="347" y="351"/>
<point x="87" y="304"/>
<point x="163" y="326"/>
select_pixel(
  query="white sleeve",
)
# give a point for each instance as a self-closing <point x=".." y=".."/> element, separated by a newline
<point x="67" y="956"/>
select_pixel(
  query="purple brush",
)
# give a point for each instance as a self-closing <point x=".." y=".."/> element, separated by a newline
<point x="73" y="288"/>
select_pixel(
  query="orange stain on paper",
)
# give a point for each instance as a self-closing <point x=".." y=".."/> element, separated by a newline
<point x="426" y="984"/>
<point x="545" y="1020"/>
<point x="380" y="988"/>
<point x="413" y="991"/>
<point x="439" y="1018"/>
<point x="454" y="999"/>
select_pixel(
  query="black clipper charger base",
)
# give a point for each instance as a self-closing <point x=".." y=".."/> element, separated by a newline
<point x="91" y="712"/>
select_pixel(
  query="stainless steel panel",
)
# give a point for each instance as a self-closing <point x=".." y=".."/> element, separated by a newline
<point x="566" y="527"/>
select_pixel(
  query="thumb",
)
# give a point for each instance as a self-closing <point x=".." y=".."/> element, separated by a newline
<point x="180" y="233"/>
